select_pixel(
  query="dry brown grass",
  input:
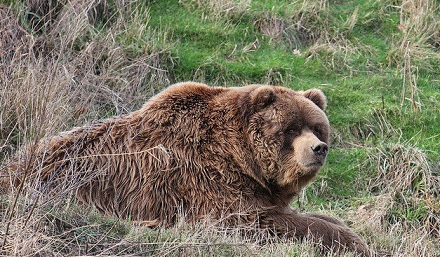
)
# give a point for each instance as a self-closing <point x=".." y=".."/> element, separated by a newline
<point x="65" y="228"/>
<point x="216" y="10"/>
<point x="298" y="29"/>
<point x="57" y="72"/>
<point x="415" y="45"/>
<point x="405" y="182"/>
<point x="72" y="73"/>
<point x="402" y="214"/>
<point x="332" y="44"/>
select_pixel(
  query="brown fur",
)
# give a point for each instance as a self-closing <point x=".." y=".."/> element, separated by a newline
<point x="238" y="155"/>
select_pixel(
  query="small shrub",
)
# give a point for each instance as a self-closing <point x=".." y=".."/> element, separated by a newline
<point x="403" y="173"/>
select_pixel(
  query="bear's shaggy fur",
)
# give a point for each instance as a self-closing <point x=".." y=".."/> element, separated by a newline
<point x="235" y="155"/>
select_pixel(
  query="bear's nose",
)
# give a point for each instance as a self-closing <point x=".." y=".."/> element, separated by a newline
<point x="320" y="148"/>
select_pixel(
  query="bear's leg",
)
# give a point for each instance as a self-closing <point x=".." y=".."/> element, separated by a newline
<point x="327" y="233"/>
<point x="326" y="218"/>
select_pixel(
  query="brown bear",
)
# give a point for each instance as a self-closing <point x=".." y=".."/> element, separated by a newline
<point x="234" y="155"/>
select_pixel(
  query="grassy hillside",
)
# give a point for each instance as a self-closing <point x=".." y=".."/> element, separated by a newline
<point x="64" y="63"/>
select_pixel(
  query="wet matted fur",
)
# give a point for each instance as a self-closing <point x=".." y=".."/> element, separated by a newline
<point x="235" y="155"/>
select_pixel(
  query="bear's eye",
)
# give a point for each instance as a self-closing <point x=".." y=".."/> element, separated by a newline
<point x="291" y="131"/>
<point x="318" y="132"/>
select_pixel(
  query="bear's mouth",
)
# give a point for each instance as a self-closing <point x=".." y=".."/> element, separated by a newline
<point x="315" y="164"/>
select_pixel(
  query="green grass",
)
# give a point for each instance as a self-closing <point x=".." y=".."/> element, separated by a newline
<point x="223" y="51"/>
<point x="353" y="50"/>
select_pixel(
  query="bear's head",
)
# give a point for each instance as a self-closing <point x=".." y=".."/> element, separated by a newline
<point x="289" y="132"/>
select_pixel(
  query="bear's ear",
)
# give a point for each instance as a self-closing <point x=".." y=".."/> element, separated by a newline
<point x="262" y="97"/>
<point x="316" y="96"/>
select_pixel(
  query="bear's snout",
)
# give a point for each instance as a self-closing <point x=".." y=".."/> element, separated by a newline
<point x="310" y="151"/>
<point x="320" y="149"/>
